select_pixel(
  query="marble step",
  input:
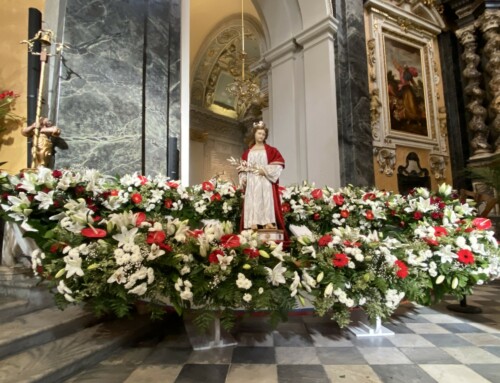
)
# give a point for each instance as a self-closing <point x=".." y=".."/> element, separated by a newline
<point x="11" y="307"/>
<point x="64" y="357"/>
<point x="42" y="326"/>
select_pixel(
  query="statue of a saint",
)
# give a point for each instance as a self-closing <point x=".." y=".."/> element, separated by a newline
<point x="262" y="206"/>
<point x="42" y="152"/>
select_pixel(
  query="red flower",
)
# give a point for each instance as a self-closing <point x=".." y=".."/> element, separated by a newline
<point x="440" y="231"/>
<point x="369" y="215"/>
<point x="139" y="218"/>
<point x="143" y="179"/>
<point x="317" y="193"/>
<point x="325" y="240"/>
<point x="417" y="215"/>
<point x="436" y="215"/>
<point x="215" y="197"/>
<point x="172" y="184"/>
<point x="305" y="199"/>
<point x="338" y="199"/>
<point x="402" y="269"/>
<point x="114" y="193"/>
<point x="481" y="223"/>
<point x="285" y="207"/>
<point x="207" y="186"/>
<point x="465" y="256"/>
<point x="79" y="189"/>
<point x="230" y="240"/>
<point x="431" y="241"/>
<point x="136" y="198"/>
<point x="340" y="260"/>
<point x="195" y="233"/>
<point x="212" y="258"/>
<point x="165" y="247"/>
<point x="316" y="216"/>
<point x="168" y="203"/>
<point x="252" y="253"/>
<point x="344" y="213"/>
<point x="57" y="173"/>
<point x="91" y="232"/>
<point x="369" y="196"/>
<point x="156" y="237"/>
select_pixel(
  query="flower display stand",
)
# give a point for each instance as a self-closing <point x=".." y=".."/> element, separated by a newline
<point x="214" y="337"/>
<point x="363" y="328"/>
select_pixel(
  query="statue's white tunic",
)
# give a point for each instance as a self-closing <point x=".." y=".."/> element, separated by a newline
<point x="259" y="203"/>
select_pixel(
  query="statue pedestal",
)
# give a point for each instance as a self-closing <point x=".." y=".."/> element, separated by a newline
<point x="275" y="235"/>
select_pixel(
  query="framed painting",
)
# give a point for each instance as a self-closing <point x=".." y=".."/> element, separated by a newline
<point x="406" y="96"/>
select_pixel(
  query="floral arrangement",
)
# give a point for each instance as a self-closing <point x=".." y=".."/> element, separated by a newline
<point x="7" y="99"/>
<point x="112" y="241"/>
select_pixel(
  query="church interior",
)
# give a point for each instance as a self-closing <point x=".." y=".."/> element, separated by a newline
<point x="385" y="94"/>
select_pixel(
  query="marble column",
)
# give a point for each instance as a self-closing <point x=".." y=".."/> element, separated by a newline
<point x="353" y="95"/>
<point x="477" y="125"/>
<point x="116" y="94"/>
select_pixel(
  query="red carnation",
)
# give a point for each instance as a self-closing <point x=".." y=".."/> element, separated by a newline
<point x="57" y="173"/>
<point x="172" y="184"/>
<point x="317" y="193"/>
<point x="369" y="215"/>
<point x="325" y="240"/>
<point x="465" y="256"/>
<point x="136" y="198"/>
<point x="285" y="207"/>
<point x="114" y="193"/>
<point x="168" y="203"/>
<point x="369" y="196"/>
<point x="481" y="223"/>
<point x="402" y="269"/>
<point x="340" y="260"/>
<point x="207" y="186"/>
<point x="338" y="199"/>
<point x="344" y="213"/>
<point x="431" y="241"/>
<point x="417" y="215"/>
<point x="230" y="241"/>
<point x="440" y="231"/>
<point x="316" y="216"/>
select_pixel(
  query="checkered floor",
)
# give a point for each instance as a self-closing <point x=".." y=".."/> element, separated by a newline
<point x="430" y="344"/>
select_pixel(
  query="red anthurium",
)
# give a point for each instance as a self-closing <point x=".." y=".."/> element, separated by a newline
<point x="195" y="233"/>
<point x="165" y="247"/>
<point x="369" y="196"/>
<point x="156" y="237"/>
<point x="172" y="184"/>
<point x="230" y="240"/>
<point x="207" y="186"/>
<point x="340" y="260"/>
<point x="325" y="240"/>
<point x="285" y="207"/>
<point x="344" y="213"/>
<point x="114" y="193"/>
<point x="136" y="198"/>
<point x="338" y="199"/>
<point x="317" y="193"/>
<point x="481" y="223"/>
<point x="143" y="179"/>
<point x="212" y="257"/>
<point x="139" y="218"/>
<point x="431" y="241"/>
<point x="465" y="256"/>
<point x="168" y="203"/>
<point x="402" y="269"/>
<point x="369" y="215"/>
<point x="91" y="232"/>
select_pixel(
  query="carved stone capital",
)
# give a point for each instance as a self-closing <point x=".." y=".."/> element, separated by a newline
<point x="489" y="20"/>
<point x="466" y="35"/>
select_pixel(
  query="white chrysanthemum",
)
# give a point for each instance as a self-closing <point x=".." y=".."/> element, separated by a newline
<point x="139" y="289"/>
<point x="247" y="297"/>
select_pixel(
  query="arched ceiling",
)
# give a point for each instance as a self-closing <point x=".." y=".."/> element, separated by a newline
<point x="206" y="14"/>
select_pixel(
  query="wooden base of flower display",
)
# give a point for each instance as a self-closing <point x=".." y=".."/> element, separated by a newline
<point x="214" y="337"/>
<point x="275" y="235"/>
<point x="363" y="328"/>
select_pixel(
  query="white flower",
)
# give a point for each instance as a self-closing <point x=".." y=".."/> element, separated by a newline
<point x="73" y="265"/>
<point x="445" y="189"/>
<point x="261" y="290"/>
<point x="63" y="289"/>
<point x="126" y="236"/>
<point x="46" y="199"/>
<point x="243" y="282"/>
<point x="186" y="295"/>
<point x="224" y="261"/>
<point x="118" y="277"/>
<point x="279" y="253"/>
<point x="247" y="297"/>
<point x="275" y="276"/>
<point x="295" y="284"/>
<point x="139" y="289"/>
<point x="155" y="252"/>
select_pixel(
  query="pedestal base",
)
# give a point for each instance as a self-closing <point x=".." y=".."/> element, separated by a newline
<point x="214" y="337"/>
<point x="275" y="235"/>
<point x="364" y="329"/>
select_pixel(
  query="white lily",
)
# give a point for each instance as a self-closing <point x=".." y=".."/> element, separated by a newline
<point x="279" y="253"/>
<point x="46" y="199"/>
<point x="126" y="236"/>
<point x="275" y="276"/>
